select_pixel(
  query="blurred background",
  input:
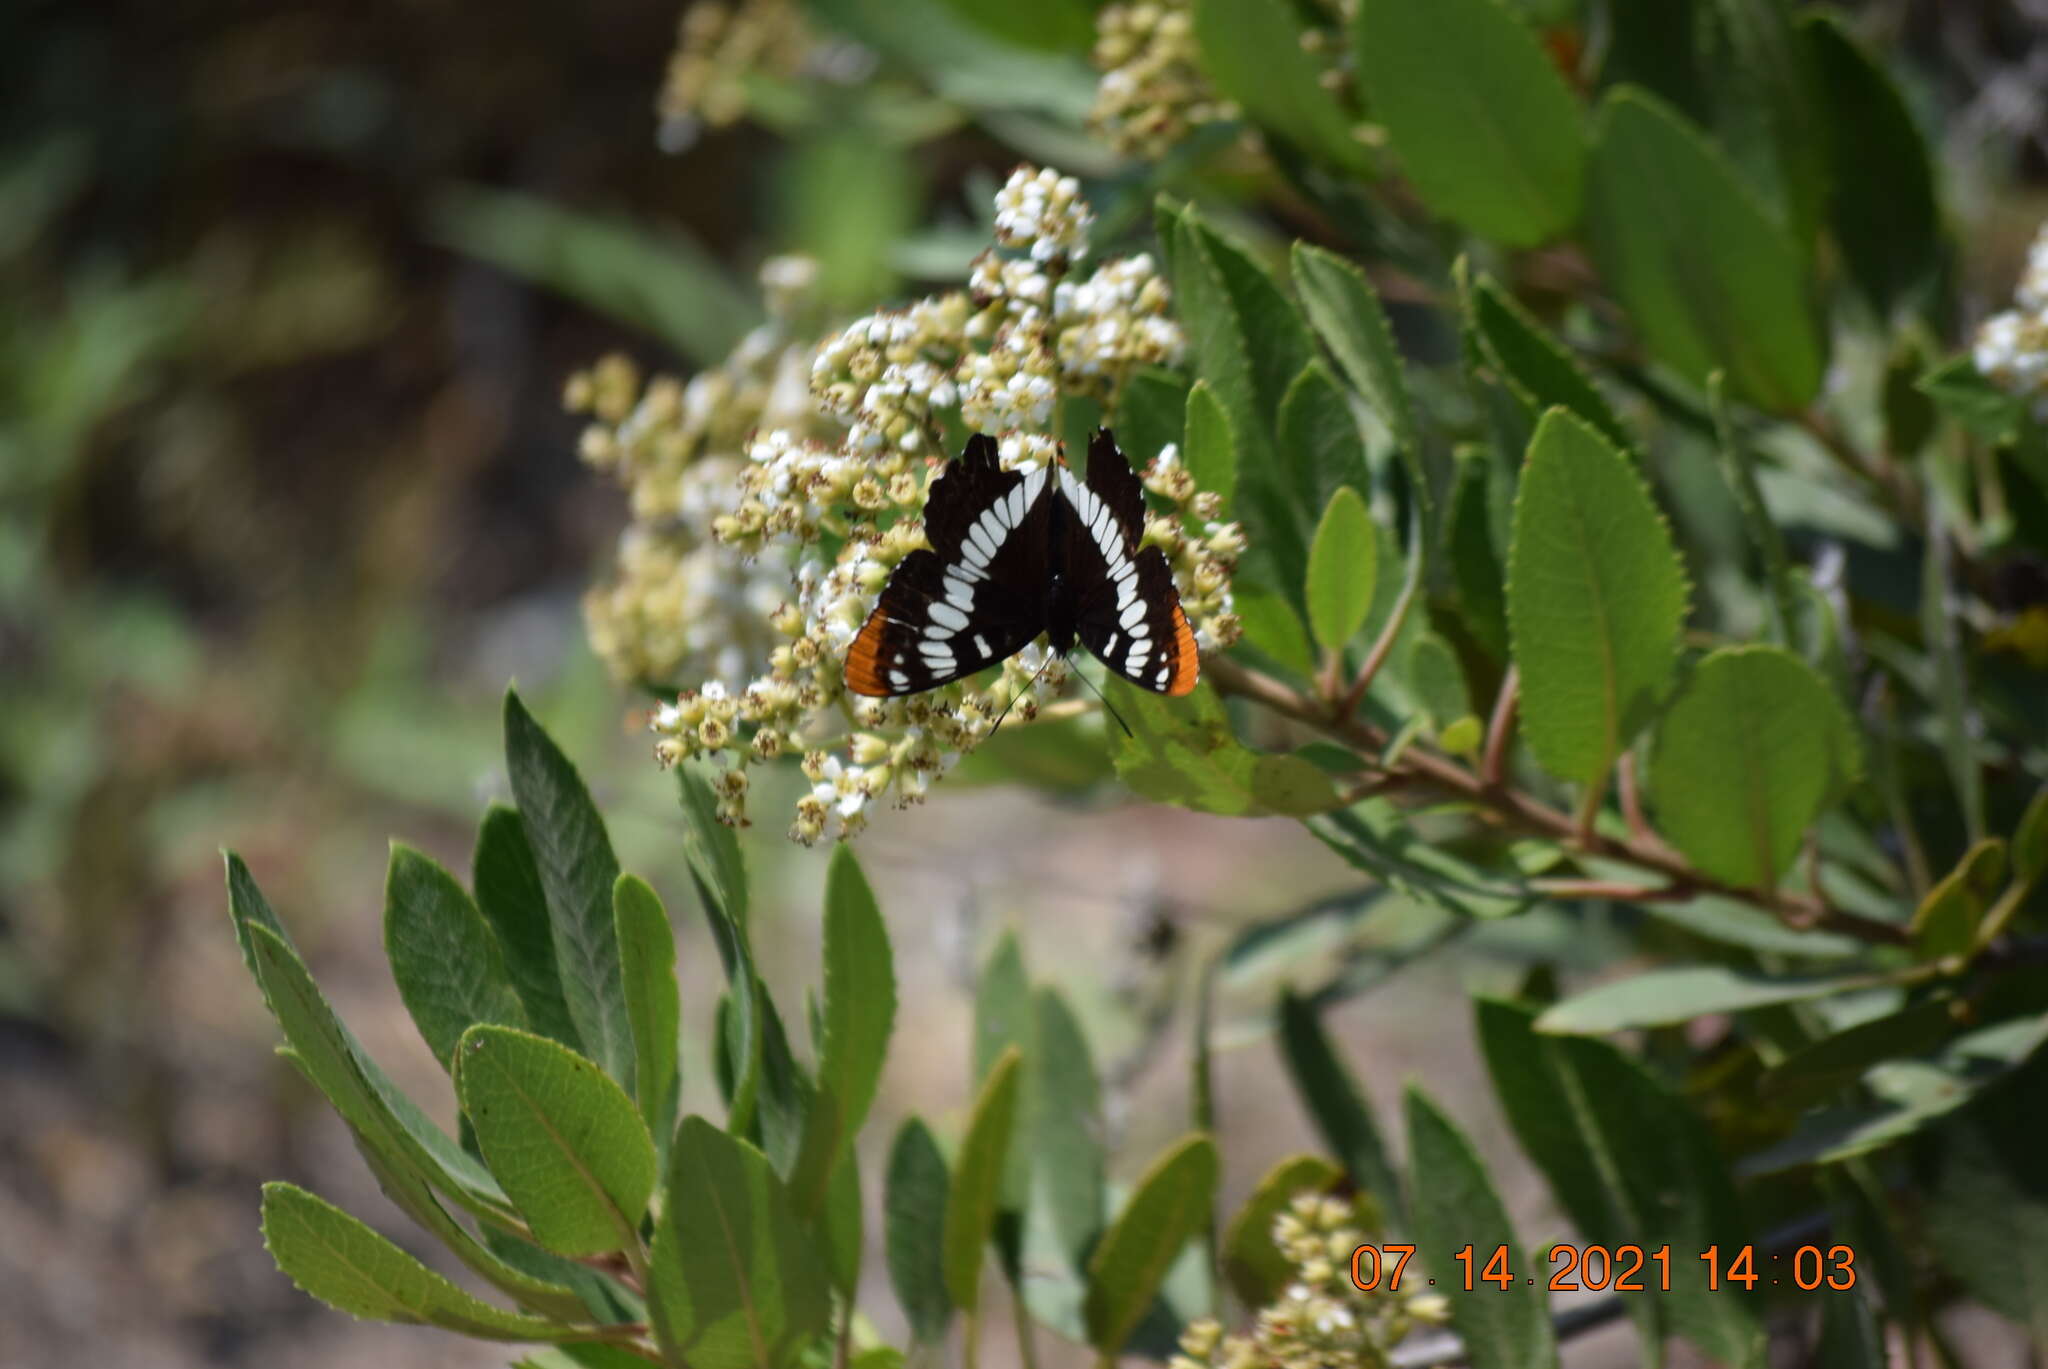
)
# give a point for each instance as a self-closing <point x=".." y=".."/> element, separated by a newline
<point x="288" y="294"/>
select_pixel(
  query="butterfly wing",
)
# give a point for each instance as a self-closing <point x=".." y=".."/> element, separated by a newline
<point x="1128" y="612"/>
<point x="966" y="603"/>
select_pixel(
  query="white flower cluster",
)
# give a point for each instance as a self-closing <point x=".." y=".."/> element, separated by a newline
<point x="1153" y="92"/>
<point x="778" y="492"/>
<point x="2011" y="347"/>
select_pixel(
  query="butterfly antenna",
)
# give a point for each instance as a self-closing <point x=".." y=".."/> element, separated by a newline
<point x="1020" y="693"/>
<point x="1092" y="687"/>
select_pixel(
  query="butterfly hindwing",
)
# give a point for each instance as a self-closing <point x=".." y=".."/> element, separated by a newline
<point x="956" y="609"/>
<point x="1128" y="612"/>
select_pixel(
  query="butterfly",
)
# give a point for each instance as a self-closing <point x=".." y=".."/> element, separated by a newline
<point x="1014" y="554"/>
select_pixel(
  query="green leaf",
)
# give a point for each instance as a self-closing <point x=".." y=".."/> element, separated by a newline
<point x="1748" y="752"/>
<point x="1252" y="50"/>
<point x="1773" y="73"/>
<point x="720" y="875"/>
<point x="247" y="907"/>
<point x="1629" y="1164"/>
<point x="1272" y="626"/>
<point x="647" y="964"/>
<point x="1208" y="448"/>
<point x="1486" y="127"/>
<point x="1066" y="1126"/>
<point x="963" y="58"/>
<point x="1596" y="597"/>
<point x="1345" y="310"/>
<point x="648" y="276"/>
<point x="1320" y="441"/>
<point x="1850" y="1337"/>
<point x="1455" y="1205"/>
<point x="577" y="871"/>
<point x="977" y="1183"/>
<point x="337" y="1259"/>
<point x="562" y="1138"/>
<point x="1377" y="837"/>
<point x="1951" y="680"/>
<point x="1731" y="923"/>
<point x="443" y="954"/>
<point x="860" y="990"/>
<point x="1343" y="561"/>
<point x="712" y="848"/>
<point x="1666" y="997"/>
<point x="735" y="1282"/>
<point x="1182" y="751"/>
<point x="1882" y="207"/>
<point x="1168" y="1206"/>
<point x="2030" y="841"/>
<point x="1969" y="397"/>
<point x="1986" y="1209"/>
<point x="1738" y="470"/>
<point x="1831" y="1064"/>
<point x="914" y="1227"/>
<point x="1256" y="1268"/>
<point x="1150" y="410"/>
<point x="1536" y="366"/>
<point x="336" y="1063"/>
<point x="1947" y="919"/>
<point x="1710" y="279"/>
<point x="843" y="1225"/>
<point x="1336" y="1105"/>
<point x="1475" y="561"/>
<point x="509" y="894"/>
<point x="1437" y="681"/>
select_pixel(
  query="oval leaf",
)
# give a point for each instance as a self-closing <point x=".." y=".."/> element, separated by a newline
<point x="1711" y="280"/>
<point x="563" y="1139"/>
<point x="1208" y="448"/>
<point x="1343" y="562"/>
<point x="1169" y="1205"/>
<point x="1742" y="762"/>
<point x="1537" y="367"/>
<point x="914" y="1229"/>
<point x="1345" y="311"/>
<point x="509" y="895"/>
<point x="860" y="990"/>
<point x="1485" y="125"/>
<point x="1456" y="1205"/>
<point x="1256" y="1268"/>
<point x="647" y="965"/>
<point x="1595" y="600"/>
<point x="977" y="1184"/>
<point x="351" y="1268"/>
<point x="444" y="956"/>
<point x="577" y="869"/>
<point x="734" y="1282"/>
<point x="1252" y="50"/>
<point x="1182" y="751"/>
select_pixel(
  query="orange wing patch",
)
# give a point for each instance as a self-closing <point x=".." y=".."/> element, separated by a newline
<point x="863" y="658"/>
<point x="1184" y="660"/>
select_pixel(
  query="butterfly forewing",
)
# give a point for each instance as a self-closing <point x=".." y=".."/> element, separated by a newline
<point x="970" y="601"/>
<point x="1128" y="612"/>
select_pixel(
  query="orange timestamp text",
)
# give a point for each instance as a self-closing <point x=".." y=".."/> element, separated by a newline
<point x="1619" y="1269"/>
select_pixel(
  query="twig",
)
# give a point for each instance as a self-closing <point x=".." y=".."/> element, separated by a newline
<point x="1632" y="799"/>
<point x="1382" y="647"/>
<point x="1493" y="762"/>
<point x="1516" y="808"/>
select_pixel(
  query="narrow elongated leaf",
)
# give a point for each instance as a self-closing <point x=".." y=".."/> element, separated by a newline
<point x="1834" y="1062"/>
<point x="1252" y="51"/>
<point x="1184" y="751"/>
<point x="975" y="1193"/>
<point x="247" y="907"/>
<point x="1455" y="1205"/>
<point x="509" y="895"/>
<point x="1536" y="366"/>
<point x="1938" y="625"/>
<point x="914" y="1227"/>
<point x="444" y="956"/>
<point x="1066" y="1126"/>
<point x="1375" y="836"/>
<point x="577" y="870"/>
<point x="1744" y="758"/>
<point x="1774" y="72"/>
<point x="1486" y="127"/>
<point x="360" y="1091"/>
<point x="1256" y="1268"/>
<point x="1168" y="1206"/>
<point x="1664" y="997"/>
<point x="2030" y="841"/>
<point x="735" y="1281"/>
<point x="1630" y="1165"/>
<point x="1345" y="310"/>
<point x="1596" y="596"/>
<point x="351" y="1268"/>
<point x="1320" y="441"/>
<point x="1738" y="470"/>
<point x="1343" y="562"/>
<point x="712" y="848"/>
<point x="1881" y="205"/>
<point x="1336" y="1104"/>
<point x="1208" y="447"/>
<point x="564" y="1140"/>
<point x="860" y="990"/>
<point x="1475" y="560"/>
<point x="1986" y="1211"/>
<point x="1151" y="411"/>
<point x="1708" y="277"/>
<point x="647" y="965"/>
<point x="720" y="875"/>
<point x="844" y="1225"/>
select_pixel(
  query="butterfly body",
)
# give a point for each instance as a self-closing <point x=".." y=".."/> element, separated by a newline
<point x="1016" y="554"/>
